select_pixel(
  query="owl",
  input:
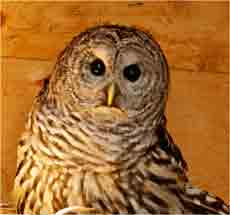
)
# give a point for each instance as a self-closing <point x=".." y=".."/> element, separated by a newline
<point x="96" y="138"/>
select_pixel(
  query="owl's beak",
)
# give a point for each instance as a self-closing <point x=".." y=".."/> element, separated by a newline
<point x="110" y="94"/>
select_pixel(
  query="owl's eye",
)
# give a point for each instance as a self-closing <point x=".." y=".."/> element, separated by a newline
<point x="97" y="67"/>
<point x="132" y="72"/>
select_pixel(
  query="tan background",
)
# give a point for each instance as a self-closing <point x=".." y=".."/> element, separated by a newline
<point x="194" y="37"/>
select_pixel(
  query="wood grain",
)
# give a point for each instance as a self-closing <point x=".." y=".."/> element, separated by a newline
<point x="194" y="37"/>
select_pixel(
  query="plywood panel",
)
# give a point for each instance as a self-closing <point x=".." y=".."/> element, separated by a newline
<point x="194" y="37"/>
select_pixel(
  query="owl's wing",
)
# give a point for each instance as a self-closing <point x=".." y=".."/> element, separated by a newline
<point x="195" y="200"/>
<point x="166" y="144"/>
<point x="199" y="201"/>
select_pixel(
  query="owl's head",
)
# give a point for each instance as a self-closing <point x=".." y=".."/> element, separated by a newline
<point x="113" y="69"/>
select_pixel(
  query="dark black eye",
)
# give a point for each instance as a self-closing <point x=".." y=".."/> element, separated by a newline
<point x="97" y="67"/>
<point x="132" y="72"/>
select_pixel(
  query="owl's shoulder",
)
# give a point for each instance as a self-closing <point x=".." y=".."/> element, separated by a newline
<point x="165" y="145"/>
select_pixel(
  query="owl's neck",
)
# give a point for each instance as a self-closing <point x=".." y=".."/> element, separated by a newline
<point x="78" y="142"/>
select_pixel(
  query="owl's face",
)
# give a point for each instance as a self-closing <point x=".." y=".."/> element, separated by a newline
<point x="113" y="68"/>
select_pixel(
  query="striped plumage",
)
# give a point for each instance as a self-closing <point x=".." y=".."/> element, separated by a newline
<point x="76" y="151"/>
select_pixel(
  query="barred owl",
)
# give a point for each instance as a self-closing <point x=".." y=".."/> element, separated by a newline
<point x="96" y="135"/>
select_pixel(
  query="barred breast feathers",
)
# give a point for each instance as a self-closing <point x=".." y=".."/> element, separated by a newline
<point x="160" y="171"/>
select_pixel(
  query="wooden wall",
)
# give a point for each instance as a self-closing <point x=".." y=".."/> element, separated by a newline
<point x="195" y="39"/>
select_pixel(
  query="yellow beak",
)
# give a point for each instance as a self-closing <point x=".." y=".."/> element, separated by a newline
<point x="110" y="94"/>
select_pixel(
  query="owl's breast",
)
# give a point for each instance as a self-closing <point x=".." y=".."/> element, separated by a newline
<point x="121" y="193"/>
